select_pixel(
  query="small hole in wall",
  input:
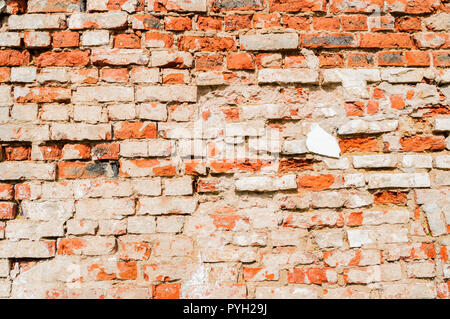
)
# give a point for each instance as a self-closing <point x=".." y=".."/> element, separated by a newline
<point x="83" y="5"/>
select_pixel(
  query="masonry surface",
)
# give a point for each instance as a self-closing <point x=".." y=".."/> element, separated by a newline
<point x="224" y="149"/>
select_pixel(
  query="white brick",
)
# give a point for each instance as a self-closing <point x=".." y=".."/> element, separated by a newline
<point x="442" y="161"/>
<point x="96" y="209"/>
<point x="402" y="75"/>
<point x="385" y="180"/>
<point x="37" y="39"/>
<point x="78" y="132"/>
<point x="9" y="39"/>
<point x="95" y="38"/>
<point x="178" y="186"/>
<point x="166" y="205"/>
<point x="360" y="127"/>
<point x="36" y="21"/>
<point x="279" y="41"/>
<point x="25" y="249"/>
<point x="287" y="76"/>
<point x="287" y="292"/>
<point x="141" y="225"/>
<point x="153" y="111"/>
<point x="374" y="161"/>
<point x="167" y="93"/>
<point x="23" y="74"/>
<point x="147" y="187"/>
<point x="27" y="170"/>
<point x="435" y="219"/>
<point x="61" y="75"/>
<point x="104" y="94"/>
<point x="48" y="210"/>
<point x="417" y="161"/>
<point x="442" y="125"/>
<point x="109" y="20"/>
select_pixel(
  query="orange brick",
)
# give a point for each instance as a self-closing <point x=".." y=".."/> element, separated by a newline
<point x="422" y="143"/>
<point x="167" y="291"/>
<point x="65" y="39"/>
<point x="297" y="23"/>
<point x="127" y="41"/>
<point x="262" y="21"/>
<point x="325" y="23"/>
<point x="358" y="144"/>
<point x="238" y="22"/>
<point x="240" y="61"/>
<point x="66" y="58"/>
<point x="177" y="23"/>
<point x="114" y="75"/>
<point x="129" y="130"/>
<point x="354" y="23"/>
<point x="17" y="153"/>
<point x="8" y="210"/>
<point x="209" y="23"/>
<point x="417" y="58"/>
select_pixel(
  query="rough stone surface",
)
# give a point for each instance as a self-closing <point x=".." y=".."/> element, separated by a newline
<point x="224" y="149"/>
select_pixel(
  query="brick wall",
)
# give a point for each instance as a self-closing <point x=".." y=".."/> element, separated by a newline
<point x="224" y="149"/>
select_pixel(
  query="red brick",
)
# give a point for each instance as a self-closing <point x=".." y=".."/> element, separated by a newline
<point x="238" y="22"/>
<point x="209" y="23"/>
<point x="5" y="74"/>
<point x="105" y="151"/>
<point x="326" y="23"/>
<point x="129" y="130"/>
<point x="358" y="144"/>
<point x="397" y="101"/>
<point x="354" y="23"/>
<point x="8" y="210"/>
<point x="417" y="58"/>
<point x="354" y="109"/>
<point x="114" y="75"/>
<point x="14" y="58"/>
<point x="297" y="23"/>
<point x="74" y="170"/>
<point x="360" y="59"/>
<point x="331" y="60"/>
<point x="391" y="58"/>
<point x="297" y="6"/>
<point x="127" y="41"/>
<point x="315" y="183"/>
<point x="263" y="21"/>
<point x="388" y="40"/>
<point x="329" y="40"/>
<point x="192" y="43"/>
<point x="408" y="24"/>
<point x="422" y="143"/>
<point x="209" y="62"/>
<point x="441" y="58"/>
<point x="309" y="275"/>
<point x="65" y="39"/>
<point x="240" y="61"/>
<point x="390" y="197"/>
<point x="51" y="152"/>
<point x="67" y="58"/>
<point x="167" y="291"/>
<point x="17" y="153"/>
<point x="177" y="23"/>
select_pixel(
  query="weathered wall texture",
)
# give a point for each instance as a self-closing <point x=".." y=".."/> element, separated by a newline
<point x="224" y="149"/>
